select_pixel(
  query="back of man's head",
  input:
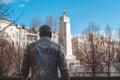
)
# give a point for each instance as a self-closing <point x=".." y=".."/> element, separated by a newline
<point x="45" y="31"/>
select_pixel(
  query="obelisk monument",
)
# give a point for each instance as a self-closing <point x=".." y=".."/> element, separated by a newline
<point x="65" y="34"/>
<point x="65" y="41"/>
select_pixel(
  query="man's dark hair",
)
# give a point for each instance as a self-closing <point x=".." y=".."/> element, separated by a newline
<point x="45" y="31"/>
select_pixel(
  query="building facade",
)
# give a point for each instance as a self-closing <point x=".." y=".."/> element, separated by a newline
<point x="20" y="35"/>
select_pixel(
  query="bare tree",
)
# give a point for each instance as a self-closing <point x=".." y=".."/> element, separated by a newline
<point x="36" y="23"/>
<point x="3" y="43"/>
<point x="92" y="50"/>
<point x="108" y="35"/>
<point x="96" y="53"/>
<point x="52" y="22"/>
<point x="7" y="58"/>
<point x="117" y="66"/>
<point x="93" y="29"/>
<point x="7" y="52"/>
<point x="6" y="11"/>
<point x="118" y="52"/>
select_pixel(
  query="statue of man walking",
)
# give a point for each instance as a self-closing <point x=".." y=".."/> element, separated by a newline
<point x="44" y="57"/>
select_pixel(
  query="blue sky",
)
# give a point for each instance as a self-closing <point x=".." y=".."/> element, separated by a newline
<point x="81" y="12"/>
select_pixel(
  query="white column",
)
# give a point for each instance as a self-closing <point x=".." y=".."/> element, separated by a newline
<point x="65" y="34"/>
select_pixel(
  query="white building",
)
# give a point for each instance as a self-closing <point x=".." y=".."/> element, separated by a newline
<point x="20" y="35"/>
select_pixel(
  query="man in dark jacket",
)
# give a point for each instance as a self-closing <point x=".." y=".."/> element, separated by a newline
<point x="44" y="57"/>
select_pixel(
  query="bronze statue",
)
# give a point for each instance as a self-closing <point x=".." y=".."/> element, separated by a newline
<point x="44" y="57"/>
<point x="64" y="12"/>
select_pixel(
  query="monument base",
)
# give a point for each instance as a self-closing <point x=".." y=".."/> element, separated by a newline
<point x="73" y="64"/>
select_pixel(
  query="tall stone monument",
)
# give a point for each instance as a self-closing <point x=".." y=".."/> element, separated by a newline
<point x="65" y="34"/>
<point x="65" y="40"/>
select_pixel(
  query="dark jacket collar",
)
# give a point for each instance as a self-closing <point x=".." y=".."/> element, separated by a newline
<point x="45" y="38"/>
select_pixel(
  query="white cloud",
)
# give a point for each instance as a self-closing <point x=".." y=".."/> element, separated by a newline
<point x="26" y="0"/>
<point x="7" y="1"/>
<point x="22" y="5"/>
